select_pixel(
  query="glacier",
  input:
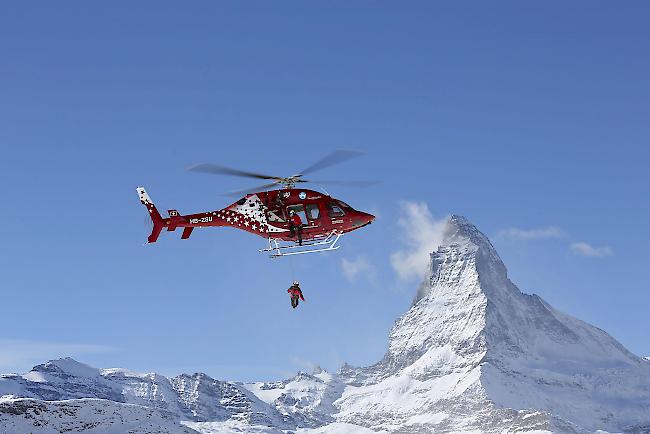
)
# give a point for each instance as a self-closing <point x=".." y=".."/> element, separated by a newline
<point x="472" y="354"/>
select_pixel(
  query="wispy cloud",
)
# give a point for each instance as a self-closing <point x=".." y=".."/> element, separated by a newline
<point x="19" y="355"/>
<point x="421" y="234"/>
<point x="531" y="234"/>
<point x="585" y="249"/>
<point x="359" y="267"/>
<point x="579" y="248"/>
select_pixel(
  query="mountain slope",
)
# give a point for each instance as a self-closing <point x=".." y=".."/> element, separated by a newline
<point x="96" y="416"/>
<point x="306" y="398"/>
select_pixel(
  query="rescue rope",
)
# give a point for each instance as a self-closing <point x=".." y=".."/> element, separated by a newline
<point x="293" y="273"/>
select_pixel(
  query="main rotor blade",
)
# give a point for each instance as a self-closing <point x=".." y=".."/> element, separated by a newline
<point x="251" y="190"/>
<point x="335" y="157"/>
<point x="360" y="184"/>
<point x="222" y="170"/>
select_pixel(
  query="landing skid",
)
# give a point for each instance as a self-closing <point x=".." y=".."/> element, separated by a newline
<point x="328" y="243"/>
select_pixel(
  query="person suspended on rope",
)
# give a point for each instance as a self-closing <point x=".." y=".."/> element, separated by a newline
<point x="295" y="293"/>
<point x="295" y="226"/>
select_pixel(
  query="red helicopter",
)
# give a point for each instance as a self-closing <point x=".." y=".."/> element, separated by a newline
<point x="270" y="213"/>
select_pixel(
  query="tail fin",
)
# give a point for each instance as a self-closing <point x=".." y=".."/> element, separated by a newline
<point x="157" y="220"/>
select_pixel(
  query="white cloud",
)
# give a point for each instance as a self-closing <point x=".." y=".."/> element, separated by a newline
<point x="421" y="235"/>
<point x="361" y="266"/>
<point x="19" y="356"/>
<point x="585" y="249"/>
<point x="531" y="234"/>
<point x="579" y="248"/>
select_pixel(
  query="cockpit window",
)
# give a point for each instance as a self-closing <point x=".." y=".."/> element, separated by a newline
<point x="312" y="211"/>
<point x="334" y="210"/>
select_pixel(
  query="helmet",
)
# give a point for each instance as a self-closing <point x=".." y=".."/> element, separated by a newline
<point x="295" y="282"/>
<point x="291" y="212"/>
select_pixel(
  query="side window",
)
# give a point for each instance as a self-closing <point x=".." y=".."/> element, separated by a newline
<point x="334" y="210"/>
<point x="312" y="211"/>
<point x="273" y="217"/>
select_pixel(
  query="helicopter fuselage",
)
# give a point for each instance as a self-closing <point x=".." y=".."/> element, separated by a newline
<point x="266" y="214"/>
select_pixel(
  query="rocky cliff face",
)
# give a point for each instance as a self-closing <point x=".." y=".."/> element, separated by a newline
<point x="472" y="353"/>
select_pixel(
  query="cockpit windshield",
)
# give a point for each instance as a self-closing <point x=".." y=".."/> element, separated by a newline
<point x="344" y="205"/>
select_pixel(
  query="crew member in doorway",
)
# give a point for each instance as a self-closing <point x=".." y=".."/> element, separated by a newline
<point x="295" y="226"/>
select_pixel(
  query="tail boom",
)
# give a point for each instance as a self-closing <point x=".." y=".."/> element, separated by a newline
<point x="249" y="217"/>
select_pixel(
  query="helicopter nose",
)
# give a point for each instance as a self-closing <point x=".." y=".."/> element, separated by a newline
<point x="362" y="219"/>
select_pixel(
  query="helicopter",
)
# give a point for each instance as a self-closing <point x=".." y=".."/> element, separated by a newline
<point x="268" y="212"/>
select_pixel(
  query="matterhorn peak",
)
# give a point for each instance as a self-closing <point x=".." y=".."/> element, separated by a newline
<point x="460" y="227"/>
<point x="465" y="252"/>
<point x="449" y="313"/>
<point x="461" y="232"/>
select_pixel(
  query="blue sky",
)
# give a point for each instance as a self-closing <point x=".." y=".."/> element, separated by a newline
<point x="529" y="118"/>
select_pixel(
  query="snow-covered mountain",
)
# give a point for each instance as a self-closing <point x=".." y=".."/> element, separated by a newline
<point x="472" y="354"/>
<point x="23" y="416"/>
<point x="191" y="398"/>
